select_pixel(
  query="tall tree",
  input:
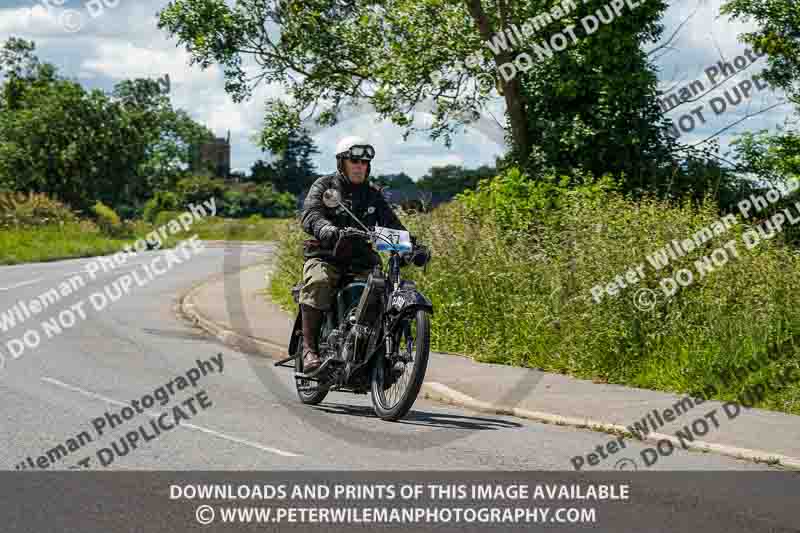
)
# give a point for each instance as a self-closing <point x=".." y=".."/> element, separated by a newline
<point x="293" y="170"/>
<point x="594" y="108"/>
<point x="393" y="53"/>
<point x="394" y="181"/>
<point x="773" y="157"/>
<point x="778" y="35"/>
<point x="21" y="69"/>
<point x="261" y="173"/>
<point x="169" y="133"/>
<point x="446" y="181"/>
<point x="82" y="146"/>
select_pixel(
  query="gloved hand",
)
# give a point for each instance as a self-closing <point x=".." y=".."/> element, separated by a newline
<point x="343" y="249"/>
<point x="329" y="235"/>
<point x="421" y="256"/>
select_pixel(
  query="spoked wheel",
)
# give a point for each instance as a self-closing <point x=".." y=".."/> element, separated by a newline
<point x="308" y="390"/>
<point x="393" y="394"/>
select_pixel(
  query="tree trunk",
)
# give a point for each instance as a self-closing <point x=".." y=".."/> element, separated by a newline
<point x="518" y="117"/>
<point x="515" y="104"/>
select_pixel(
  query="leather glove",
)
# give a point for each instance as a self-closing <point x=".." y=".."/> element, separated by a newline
<point x="421" y="256"/>
<point x="329" y="235"/>
<point x="343" y="250"/>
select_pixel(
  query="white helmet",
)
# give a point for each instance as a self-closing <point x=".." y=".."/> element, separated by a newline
<point x="353" y="147"/>
<point x="356" y="147"/>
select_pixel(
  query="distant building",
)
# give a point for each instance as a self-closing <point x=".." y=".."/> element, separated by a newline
<point x="214" y="156"/>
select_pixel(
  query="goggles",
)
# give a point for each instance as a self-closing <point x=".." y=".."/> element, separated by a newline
<point x="364" y="152"/>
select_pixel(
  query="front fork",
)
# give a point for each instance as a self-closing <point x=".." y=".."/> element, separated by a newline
<point x="394" y="271"/>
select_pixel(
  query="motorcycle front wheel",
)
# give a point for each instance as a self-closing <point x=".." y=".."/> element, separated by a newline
<point x="393" y="397"/>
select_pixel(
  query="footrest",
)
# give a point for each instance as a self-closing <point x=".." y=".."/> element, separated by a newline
<point x="283" y="362"/>
<point x="327" y="365"/>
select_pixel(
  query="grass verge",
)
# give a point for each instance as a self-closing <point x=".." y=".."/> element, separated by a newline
<point x="84" y="239"/>
<point x="524" y="299"/>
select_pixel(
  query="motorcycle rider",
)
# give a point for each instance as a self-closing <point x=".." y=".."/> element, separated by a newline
<point x="321" y="270"/>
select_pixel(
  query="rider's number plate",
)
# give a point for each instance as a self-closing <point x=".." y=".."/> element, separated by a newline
<point x="397" y="239"/>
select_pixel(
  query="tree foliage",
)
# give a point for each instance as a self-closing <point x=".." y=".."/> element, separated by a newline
<point x="86" y="146"/>
<point x="773" y="157"/>
<point x="778" y="35"/>
<point x="293" y="171"/>
<point x="392" y="53"/>
<point x="593" y="107"/>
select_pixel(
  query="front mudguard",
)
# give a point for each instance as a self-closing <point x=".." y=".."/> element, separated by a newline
<point x="406" y="301"/>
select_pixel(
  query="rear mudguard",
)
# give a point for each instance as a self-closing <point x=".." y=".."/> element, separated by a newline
<point x="295" y="337"/>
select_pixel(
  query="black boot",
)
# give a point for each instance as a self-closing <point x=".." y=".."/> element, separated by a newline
<point x="312" y="322"/>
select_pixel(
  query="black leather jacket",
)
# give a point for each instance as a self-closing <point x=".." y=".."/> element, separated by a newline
<point x="366" y="201"/>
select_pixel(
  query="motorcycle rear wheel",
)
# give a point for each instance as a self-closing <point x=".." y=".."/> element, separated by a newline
<point x="413" y="373"/>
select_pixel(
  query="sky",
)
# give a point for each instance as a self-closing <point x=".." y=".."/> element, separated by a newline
<point x="101" y="42"/>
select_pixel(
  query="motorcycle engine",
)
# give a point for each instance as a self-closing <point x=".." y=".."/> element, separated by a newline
<point x="355" y="342"/>
<point x="335" y="340"/>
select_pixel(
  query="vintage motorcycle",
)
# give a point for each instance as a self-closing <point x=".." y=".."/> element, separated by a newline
<point x="377" y="336"/>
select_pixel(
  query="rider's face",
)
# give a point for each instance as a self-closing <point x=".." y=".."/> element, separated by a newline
<point x="356" y="170"/>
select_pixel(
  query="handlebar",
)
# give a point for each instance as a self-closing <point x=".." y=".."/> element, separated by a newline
<point x="355" y="232"/>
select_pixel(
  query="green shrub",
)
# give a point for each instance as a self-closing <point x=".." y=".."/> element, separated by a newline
<point x="164" y="217"/>
<point x="262" y="200"/>
<point x="518" y="203"/>
<point x="19" y="210"/>
<point x="514" y="290"/>
<point x="233" y="204"/>
<point x="288" y="266"/>
<point x="198" y="189"/>
<point x="54" y="242"/>
<point x="109" y="222"/>
<point x="162" y="201"/>
<point x="128" y="212"/>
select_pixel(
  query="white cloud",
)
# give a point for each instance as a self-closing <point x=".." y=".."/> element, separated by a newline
<point x="124" y="42"/>
<point x="706" y="40"/>
<point x="32" y="20"/>
<point x="123" y="60"/>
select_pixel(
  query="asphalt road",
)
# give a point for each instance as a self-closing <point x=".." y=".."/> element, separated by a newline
<point x="136" y="344"/>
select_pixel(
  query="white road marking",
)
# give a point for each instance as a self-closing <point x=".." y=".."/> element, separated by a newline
<point x="22" y="284"/>
<point x="84" y="271"/>
<point x="188" y="426"/>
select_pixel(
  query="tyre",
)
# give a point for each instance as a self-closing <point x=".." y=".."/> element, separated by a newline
<point x="392" y="399"/>
<point x="316" y="394"/>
